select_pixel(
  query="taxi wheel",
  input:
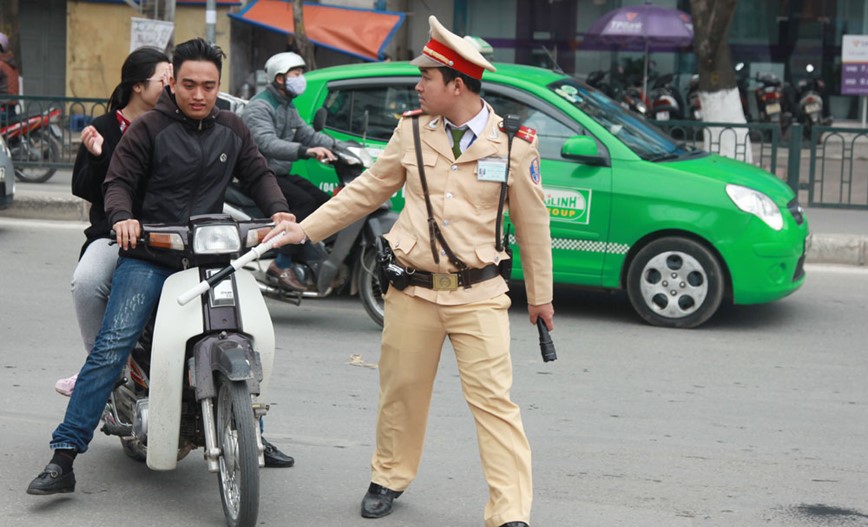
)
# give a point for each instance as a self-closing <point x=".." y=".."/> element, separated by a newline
<point x="675" y="282"/>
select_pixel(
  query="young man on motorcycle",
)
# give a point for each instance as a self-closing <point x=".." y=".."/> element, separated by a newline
<point x="153" y="178"/>
<point x="144" y="76"/>
<point x="283" y="137"/>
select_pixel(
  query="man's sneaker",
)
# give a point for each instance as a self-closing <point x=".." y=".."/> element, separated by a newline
<point x="285" y="278"/>
<point x="52" y="480"/>
<point x="65" y="386"/>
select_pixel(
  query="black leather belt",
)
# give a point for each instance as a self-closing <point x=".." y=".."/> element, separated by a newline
<point x="452" y="281"/>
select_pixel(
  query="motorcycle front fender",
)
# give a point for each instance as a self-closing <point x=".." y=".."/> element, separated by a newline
<point x="174" y="326"/>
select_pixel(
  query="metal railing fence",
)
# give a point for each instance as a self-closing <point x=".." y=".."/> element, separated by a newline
<point x="826" y="166"/>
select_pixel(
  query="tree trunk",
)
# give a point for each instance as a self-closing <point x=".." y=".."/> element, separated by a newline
<point x="718" y="92"/>
<point x="305" y="48"/>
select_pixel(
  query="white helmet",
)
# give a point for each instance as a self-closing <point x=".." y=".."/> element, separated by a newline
<point x="281" y="63"/>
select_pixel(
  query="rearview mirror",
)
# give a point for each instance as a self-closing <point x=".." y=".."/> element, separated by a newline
<point x="583" y="149"/>
<point x="319" y="119"/>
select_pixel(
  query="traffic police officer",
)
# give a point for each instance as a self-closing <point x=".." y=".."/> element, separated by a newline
<point x="464" y="151"/>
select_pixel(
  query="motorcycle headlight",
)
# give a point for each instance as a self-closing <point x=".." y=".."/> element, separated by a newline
<point x="216" y="239"/>
<point x="756" y="203"/>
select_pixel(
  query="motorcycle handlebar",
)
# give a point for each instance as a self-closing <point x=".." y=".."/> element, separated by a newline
<point x="203" y="286"/>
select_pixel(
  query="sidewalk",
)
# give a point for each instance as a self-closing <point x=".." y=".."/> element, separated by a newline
<point x="837" y="236"/>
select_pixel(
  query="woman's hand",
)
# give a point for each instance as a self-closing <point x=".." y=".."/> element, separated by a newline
<point x="92" y="140"/>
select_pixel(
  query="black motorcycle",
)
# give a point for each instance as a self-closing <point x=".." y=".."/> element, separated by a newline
<point x="665" y="100"/>
<point x="809" y="111"/>
<point x="345" y="262"/>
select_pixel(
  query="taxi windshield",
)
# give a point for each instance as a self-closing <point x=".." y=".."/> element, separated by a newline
<point x="645" y="140"/>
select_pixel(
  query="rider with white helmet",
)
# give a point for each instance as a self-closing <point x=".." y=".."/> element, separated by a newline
<point x="283" y="137"/>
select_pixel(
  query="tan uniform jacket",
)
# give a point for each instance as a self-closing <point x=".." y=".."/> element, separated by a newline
<point x="464" y="208"/>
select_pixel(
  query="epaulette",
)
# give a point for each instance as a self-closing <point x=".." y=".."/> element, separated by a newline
<point x="525" y="133"/>
<point x="413" y="113"/>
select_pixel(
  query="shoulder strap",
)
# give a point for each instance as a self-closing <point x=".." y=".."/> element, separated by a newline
<point x="511" y="126"/>
<point x="434" y="233"/>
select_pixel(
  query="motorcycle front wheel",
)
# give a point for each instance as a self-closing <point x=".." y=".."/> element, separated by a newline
<point x="37" y="147"/>
<point x="238" y="474"/>
<point x="369" y="286"/>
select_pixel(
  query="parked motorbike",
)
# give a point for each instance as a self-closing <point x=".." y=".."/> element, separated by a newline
<point x="809" y="92"/>
<point x="598" y="80"/>
<point x="347" y="260"/>
<point x="769" y="100"/>
<point x="694" y="104"/>
<point x="665" y="100"/>
<point x="199" y="373"/>
<point x="628" y="96"/>
<point x="768" y="96"/>
<point x="35" y="139"/>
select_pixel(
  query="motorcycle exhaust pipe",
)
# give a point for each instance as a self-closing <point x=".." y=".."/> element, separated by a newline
<point x="279" y="294"/>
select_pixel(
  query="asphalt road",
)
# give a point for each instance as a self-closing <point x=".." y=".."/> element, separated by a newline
<point x="756" y="419"/>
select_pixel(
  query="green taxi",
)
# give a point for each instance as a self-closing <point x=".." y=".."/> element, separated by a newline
<point x="680" y="229"/>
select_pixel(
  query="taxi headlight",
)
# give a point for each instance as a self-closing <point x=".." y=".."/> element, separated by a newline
<point x="756" y="203"/>
<point x="216" y="239"/>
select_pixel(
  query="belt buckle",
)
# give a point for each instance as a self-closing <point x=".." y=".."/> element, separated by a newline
<point x="444" y="281"/>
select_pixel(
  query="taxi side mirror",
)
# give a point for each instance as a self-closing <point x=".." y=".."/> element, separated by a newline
<point x="583" y="149"/>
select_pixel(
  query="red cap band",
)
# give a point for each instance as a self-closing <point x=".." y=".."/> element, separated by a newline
<point x="449" y="57"/>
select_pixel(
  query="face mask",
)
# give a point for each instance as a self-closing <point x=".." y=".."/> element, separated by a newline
<point x="295" y="85"/>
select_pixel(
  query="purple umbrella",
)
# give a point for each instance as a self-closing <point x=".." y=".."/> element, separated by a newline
<point x="643" y="27"/>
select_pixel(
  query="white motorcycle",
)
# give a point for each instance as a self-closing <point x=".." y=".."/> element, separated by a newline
<point x="199" y="374"/>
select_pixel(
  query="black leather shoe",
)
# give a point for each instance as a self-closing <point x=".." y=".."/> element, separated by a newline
<point x="52" y="480"/>
<point x="274" y="458"/>
<point x="378" y="501"/>
<point x="514" y="524"/>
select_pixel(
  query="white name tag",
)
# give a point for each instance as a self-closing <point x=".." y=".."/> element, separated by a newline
<point x="492" y="169"/>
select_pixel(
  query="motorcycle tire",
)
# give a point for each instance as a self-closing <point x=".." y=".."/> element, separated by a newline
<point x="368" y="280"/>
<point x="238" y="474"/>
<point x="38" y="146"/>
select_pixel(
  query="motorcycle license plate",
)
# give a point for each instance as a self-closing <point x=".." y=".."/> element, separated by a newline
<point x="662" y="116"/>
<point x="812" y="108"/>
<point x="773" y="108"/>
<point x="221" y="294"/>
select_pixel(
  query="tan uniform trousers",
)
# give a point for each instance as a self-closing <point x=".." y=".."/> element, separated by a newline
<point x="413" y="337"/>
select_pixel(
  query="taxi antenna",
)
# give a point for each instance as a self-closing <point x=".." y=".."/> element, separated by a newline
<point x="555" y="67"/>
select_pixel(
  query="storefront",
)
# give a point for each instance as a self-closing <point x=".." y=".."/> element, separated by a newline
<point x="778" y="36"/>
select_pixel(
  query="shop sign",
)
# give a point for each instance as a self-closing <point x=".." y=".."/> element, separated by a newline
<point x="854" y="65"/>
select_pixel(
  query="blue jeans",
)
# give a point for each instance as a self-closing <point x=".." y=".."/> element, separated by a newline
<point x="135" y="291"/>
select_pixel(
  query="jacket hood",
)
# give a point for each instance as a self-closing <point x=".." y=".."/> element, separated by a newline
<point x="169" y="106"/>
